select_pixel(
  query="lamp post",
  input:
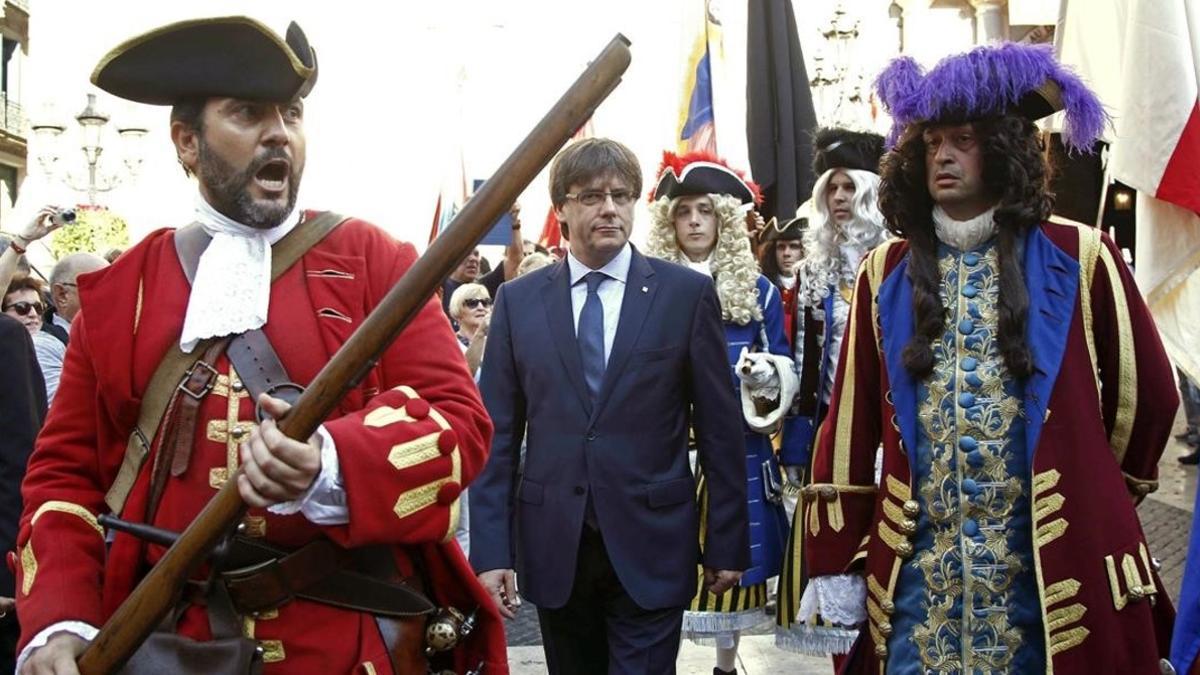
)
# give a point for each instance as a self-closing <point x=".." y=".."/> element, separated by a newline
<point x="837" y="81"/>
<point x="92" y="123"/>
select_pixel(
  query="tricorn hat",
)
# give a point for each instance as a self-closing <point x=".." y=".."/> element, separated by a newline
<point x="1021" y="79"/>
<point x="835" y="148"/>
<point x="233" y="56"/>
<point x="788" y="230"/>
<point x="702" y="173"/>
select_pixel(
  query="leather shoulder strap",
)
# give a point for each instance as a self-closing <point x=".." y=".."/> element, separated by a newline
<point x="190" y="243"/>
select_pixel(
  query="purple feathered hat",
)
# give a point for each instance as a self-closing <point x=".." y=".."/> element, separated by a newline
<point x="1009" y="77"/>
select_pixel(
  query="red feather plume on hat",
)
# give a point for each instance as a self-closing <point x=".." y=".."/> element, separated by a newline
<point x="678" y="163"/>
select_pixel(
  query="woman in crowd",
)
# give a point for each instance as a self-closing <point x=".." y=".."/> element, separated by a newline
<point x="470" y="307"/>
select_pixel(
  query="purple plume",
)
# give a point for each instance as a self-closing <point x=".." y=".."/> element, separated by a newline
<point x="988" y="81"/>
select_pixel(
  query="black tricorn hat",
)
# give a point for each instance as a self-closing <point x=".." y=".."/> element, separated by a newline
<point x="785" y="231"/>
<point x="835" y="148"/>
<point x="701" y="173"/>
<point x="233" y="56"/>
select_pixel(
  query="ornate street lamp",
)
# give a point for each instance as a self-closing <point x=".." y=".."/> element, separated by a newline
<point x="92" y="123"/>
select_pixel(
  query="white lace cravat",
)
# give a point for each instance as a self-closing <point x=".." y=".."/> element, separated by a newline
<point x="232" y="289"/>
<point x="964" y="235"/>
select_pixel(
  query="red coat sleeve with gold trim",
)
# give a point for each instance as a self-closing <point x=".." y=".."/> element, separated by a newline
<point x="1137" y="383"/>
<point x="60" y="547"/>
<point x="839" y="502"/>
<point x="406" y="457"/>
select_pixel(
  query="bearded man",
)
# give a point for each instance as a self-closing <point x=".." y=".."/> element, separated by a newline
<point x="367" y="501"/>
<point x="1013" y="374"/>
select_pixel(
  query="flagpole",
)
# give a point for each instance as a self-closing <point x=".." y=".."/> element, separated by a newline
<point x="1103" y="198"/>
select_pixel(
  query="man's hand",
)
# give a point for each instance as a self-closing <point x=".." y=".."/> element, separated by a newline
<point x="7" y="605"/>
<point x="502" y="586"/>
<point x="719" y="581"/>
<point x="56" y="657"/>
<point x="275" y="468"/>
<point x="754" y="225"/>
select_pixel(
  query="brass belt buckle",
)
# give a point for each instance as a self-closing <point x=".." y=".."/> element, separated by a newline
<point x="209" y="383"/>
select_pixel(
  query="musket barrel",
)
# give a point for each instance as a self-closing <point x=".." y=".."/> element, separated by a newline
<point x="137" y="616"/>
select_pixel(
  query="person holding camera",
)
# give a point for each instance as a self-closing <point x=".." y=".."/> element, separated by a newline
<point x="47" y="219"/>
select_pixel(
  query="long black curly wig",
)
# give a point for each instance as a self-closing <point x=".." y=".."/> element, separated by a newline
<point x="1016" y="172"/>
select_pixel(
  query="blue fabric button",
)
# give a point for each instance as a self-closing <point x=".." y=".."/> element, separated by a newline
<point x="966" y="326"/>
<point x="969" y="291"/>
<point x="971" y="259"/>
<point x="974" y="380"/>
<point x="966" y="399"/>
<point x="968" y="443"/>
<point x="969" y="363"/>
<point x="970" y="487"/>
<point x="975" y="459"/>
<point x="970" y="527"/>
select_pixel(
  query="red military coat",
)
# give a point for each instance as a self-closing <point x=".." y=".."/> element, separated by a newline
<point x="1098" y="408"/>
<point x="409" y="438"/>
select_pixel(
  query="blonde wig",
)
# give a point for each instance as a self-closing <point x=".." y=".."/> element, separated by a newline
<point x="734" y="269"/>
<point x="828" y="246"/>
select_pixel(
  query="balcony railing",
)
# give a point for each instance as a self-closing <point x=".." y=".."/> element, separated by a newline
<point x="12" y="117"/>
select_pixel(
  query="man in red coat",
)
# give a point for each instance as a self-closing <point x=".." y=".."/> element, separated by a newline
<point x="380" y="480"/>
<point x="1020" y="392"/>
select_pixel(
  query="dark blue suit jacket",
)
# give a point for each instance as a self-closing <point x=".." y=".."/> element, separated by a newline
<point x="667" y="370"/>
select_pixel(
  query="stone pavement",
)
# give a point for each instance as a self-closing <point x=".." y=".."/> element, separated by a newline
<point x="1166" y="518"/>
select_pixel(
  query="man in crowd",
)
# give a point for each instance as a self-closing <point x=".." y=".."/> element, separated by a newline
<point x="602" y="361"/>
<point x="698" y="219"/>
<point x="1013" y="374"/>
<point x="364" y="492"/>
<point x="469" y="270"/>
<point x="64" y="292"/>
<point x="780" y="250"/>
<point x="846" y="224"/>
<point x="56" y="322"/>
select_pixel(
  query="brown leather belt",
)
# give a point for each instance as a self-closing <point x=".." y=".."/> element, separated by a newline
<point x="261" y="577"/>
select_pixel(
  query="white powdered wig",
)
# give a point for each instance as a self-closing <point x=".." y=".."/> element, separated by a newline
<point x="827" y="245"/>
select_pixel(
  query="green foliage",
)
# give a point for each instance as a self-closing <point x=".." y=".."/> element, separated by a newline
<point x="96" y="230"/>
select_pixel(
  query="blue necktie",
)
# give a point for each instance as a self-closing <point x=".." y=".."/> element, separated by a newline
<point x="591" y="334"/>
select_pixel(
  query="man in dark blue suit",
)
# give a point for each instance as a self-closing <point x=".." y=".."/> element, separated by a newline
<point x="603" y="362"/>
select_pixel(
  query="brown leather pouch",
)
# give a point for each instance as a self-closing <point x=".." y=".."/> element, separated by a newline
<point x="165" y="652"/>
<point x="228" y="653"/>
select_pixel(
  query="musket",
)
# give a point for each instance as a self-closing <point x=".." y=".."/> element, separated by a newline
<point x="145" y="607"/>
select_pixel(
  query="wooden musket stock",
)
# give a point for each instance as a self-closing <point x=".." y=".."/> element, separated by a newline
<point x="137" y="617"/>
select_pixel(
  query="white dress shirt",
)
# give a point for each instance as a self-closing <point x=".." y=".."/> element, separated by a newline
<point x="611" y="291"/>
